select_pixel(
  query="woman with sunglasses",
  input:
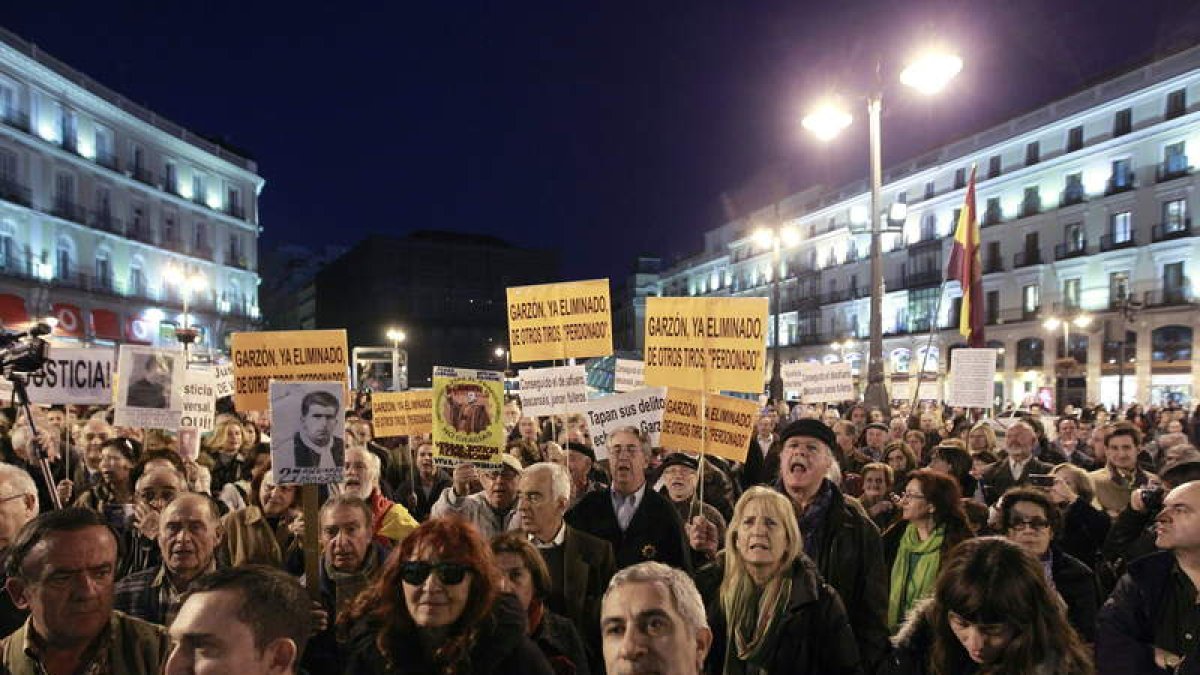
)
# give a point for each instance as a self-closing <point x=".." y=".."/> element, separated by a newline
<point x="437" y="608"/>
<point x="991" y="612"/>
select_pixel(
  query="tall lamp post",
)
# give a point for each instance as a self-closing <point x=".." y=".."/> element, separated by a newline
<point x="777" y="236"/>
<point x="928" y="74"/>
<point x="1052" y="323"/>
<point x="396" y="336"/>
<point x="188" y="283"/>
<point x="502" y="352"/>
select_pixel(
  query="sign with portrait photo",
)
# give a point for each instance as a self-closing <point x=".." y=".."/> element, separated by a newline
<point x="308" y="431"/>
<point x="149" y="387"/>
<point x="467" y="421"/>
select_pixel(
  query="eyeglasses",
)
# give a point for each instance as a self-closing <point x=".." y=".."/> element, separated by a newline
<point x="12" y="497"/>
<point x="1022" y="523"/>
<point x="415" y="572"/>
<point x="910" y="495"/>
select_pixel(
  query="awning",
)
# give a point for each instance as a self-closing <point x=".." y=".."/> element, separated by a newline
<point x="106" y="325"/>
<point x="12" y="311"/>
<point x="138" y="331"/>
<point x="70" y="320"/>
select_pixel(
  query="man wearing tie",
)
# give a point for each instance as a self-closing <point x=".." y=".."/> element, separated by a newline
<point x="1018" y="466"/>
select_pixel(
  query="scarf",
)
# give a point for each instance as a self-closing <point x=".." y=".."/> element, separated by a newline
<point x="913" y="573"/>
<point x="754" y="621"/>
<point x="347" y="585"/>
<point x="814" y="517"/>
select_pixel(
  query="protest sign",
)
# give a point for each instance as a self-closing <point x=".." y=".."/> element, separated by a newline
<point x="223" y="372"/>
<point x="972" y="378"/>
<point x="793" y="376"/>
<point x="82" y="376"/>
<point x="629" y="375"/>
<point x="149" y="387"/>
<point x="287" y="356"/>
<point x="308" y="430"/>
<point x="552" y="391"/>
<point x="714" y="344"/>
<point x="826" y="383"/>
<point x="467" y="424"/>
<point x="199" y="399"/>
<point x="402" y="413"/>
<point x="708" y="423"/>
<point x="641" y="408"/>
<point x="559" y="321"/>
<point x="902" y="390"/>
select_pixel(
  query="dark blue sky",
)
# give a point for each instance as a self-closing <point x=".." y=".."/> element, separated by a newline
<point x="603" y="129"/>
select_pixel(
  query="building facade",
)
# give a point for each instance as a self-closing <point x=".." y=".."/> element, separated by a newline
<point x="107" y="212"/>
<point x="1085" y="207"/>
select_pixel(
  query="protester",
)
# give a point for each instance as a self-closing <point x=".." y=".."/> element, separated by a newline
<point x="1117" y="480"/>
<point x="60" y="568"/>
<point x="951" y="458"/>
<point x="391" y="522"/>
<point x="679" y="478"/>
<point x="90" y="439"/>
<point x="420" y="491"/>
<point x="490" y="510"/>
<point x="262" y="532"/>
<point x="877" y="497"/>
<point x="228" y="447"/>
<point x="153" y="490"/>
<point x="236" y="494"/>
<point x="437" y="607"/>
<point x="18" y="506"/>
<point x="25" y="456"/>
<point x="112" y="497"/>
<point x="982" y="438"/>
<point x="763" y="456"/>
<point x="992" y="611"/>
<point x="250" y="620"/>
<point x="1084" y="526"/>
<point x="581" y="460"/>
<point x="1019" y="464"/>
<point x="874" y="437"/>
<point x="653" y="621"/>
<point x="773" y="612"/>
<point x="1069" y="447"/>
<point x="900" y="458"/>
<point x="1132" y="533"/>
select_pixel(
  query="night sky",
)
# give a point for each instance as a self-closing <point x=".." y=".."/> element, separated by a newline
<point x="602" y="129"/>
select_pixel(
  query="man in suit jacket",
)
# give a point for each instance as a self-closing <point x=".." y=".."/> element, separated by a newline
<point x="314" y="444"/>
<point x="640" y="524"/>
<point x="1018" y="466"/>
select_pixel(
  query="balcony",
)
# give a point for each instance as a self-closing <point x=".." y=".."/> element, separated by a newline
<point x="1068" y="250"/>
<point x="69" y="210"/>
<point x="203" y="251"/>
<point x="1072" y="196"/>
<point x="12" y="191"/>
<point x="108" y="160"/>
<point x="926" y="241"/>
<point x="993" y="265"/>
<point x="843" y="295"/>
<point x="1109" y="242"/>
<point x="1176" y="166"/>
<point x="238" y="211"/>
<point x="103" y="220"/>
<point x="141" y="232"/>
<point x="992" y="217"/>
<point x="1175" y="229"/>
<point x="810" y="339"/>
<point x="143" y="175"/>
<point x="1030" y="207"/>
<point x="16" y="120"/>
<point x="1027" y="258"/>
<point x="1119" y="183"/>
<point x="1168" y="297"/>
<point x="932" y="277"/>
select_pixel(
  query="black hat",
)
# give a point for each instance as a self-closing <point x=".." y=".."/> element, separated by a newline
<point x="585" y="450"/>
<point x="678" y="459"/>
<point x="810" y="428"/>
<point x="877" y="425"/>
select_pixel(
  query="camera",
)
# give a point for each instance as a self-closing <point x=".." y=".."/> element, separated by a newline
<point x="1152" y="498"/>
<point x="22" y="354"/>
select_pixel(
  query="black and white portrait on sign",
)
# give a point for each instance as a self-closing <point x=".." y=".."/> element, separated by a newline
<point x="308" y="431"/>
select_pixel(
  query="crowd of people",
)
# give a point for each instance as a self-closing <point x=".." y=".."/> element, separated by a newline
<point x="850" y="540"/>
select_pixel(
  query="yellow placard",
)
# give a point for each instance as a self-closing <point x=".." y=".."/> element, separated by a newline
<point x="708" y="423"/>
<point x="467" y="421"/>
<point x="402" y="413"/>
<point x="714" y="344"/>
<point x="293" y="355"/>
<point x="559" y="321"/>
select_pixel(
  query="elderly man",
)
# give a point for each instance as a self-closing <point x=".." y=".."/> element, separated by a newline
<point x="391" y="522"/>
<point x="90" y="440"/>
<point x="1019" y="442"/>
<point x="1068" y="447"/>
<point x="492" y="509"/>
<point x="580" y="460"/>
<point x="837" y="533"/>
<point x="420" y="494"/>
<point x="251" y="620"/>
<point x="156" y="488"/>
<point x="640" y="524"/>
<point x="18" y="505"/>
<point x="188" y="535"/>
<point x="653" y="621"/>
<point x="1117" y="480"/>
<point x="60" y="568"/>
<point x="679" y="477"/>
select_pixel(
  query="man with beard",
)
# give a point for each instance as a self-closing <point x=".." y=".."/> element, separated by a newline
<point x="640" y="524"/>
<point x="1019" y="443"/>
<point x="420" y="494"/>
<point x="188" y="535"/>
<point x="490" y="510"/>
<point x="390" y="522"/>
<point x="837" y="534"/>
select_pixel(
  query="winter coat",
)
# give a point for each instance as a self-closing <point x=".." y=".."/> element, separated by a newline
<point x="1076" y="584"/>
<point x="1125" y="626"/>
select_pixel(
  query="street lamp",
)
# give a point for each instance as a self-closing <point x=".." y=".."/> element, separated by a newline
<point x="188" y="283"/>
<point x="502" y="352"/>
<point x="776" y="237"/>
<point x="396" y="336"/>
<point x="928" y="74"/>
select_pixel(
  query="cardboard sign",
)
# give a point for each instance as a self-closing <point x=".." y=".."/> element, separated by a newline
<point x="402" y="413"/>
<point x="696" y="422"/>
<point x="821" y="383"/>
<point x="223" y="374"/>
<point x="199" y="399"/>
<point x="308" y="431"/>
<point x="467" y="421"/>
<point x="902" y="390"/>
<point x="82" y="376"/>
<point x="629" y="375"/>
<point x="149" y="387"/>
<point x="287" y="356"/>
<point x="972" y="378"/>
<point x="552" y="391"/>
<point x="559" y="321"/>
<point x="641" y="408"/>
<point x="793" y="375"/>
<point x="714" y="344"/>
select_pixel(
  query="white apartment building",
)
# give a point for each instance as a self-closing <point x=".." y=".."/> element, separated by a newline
<point x="1085" y="206"/>
<point x="104" y="206"/>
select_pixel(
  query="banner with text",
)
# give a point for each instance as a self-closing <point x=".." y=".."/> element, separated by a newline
<point x="287" y="356"/>
<point x="972" y="378"/>
<point x="149" y="386"/>
<point x="715" y="344"/>
<point x="902" y="390"/>
<point x="708" y="423"/>
<point x="402" y="413"/>
<point x="71" y="375"/>
<point x="223" y="373"/>
<point x="559" y="321"/>
<point x="552" y="391"/>
<point x="629" y="375"/>
<point x="199" y="399"/>
<point x="793" y="376"/>
<point x="641" y="408"/>
<point x="467" y="421"/>
<point x="821" y="383"/>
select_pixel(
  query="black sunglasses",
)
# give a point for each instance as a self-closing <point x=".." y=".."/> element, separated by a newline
<point x="415" y="572"/>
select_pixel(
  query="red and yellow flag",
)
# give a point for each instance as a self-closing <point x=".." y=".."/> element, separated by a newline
<point x="966" y="268"/>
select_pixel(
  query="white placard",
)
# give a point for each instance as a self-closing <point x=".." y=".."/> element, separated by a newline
<point x="641" y="408"/>
<point x="972" y="378"/>
<point x="629" y="375"/>
<point x="223" y="373"/>
<point x="199" y="399"/>
<point x="308" y="428"/>
<point x="149" y="387"/>
<point x="902" y="390"/>
<point x="74" y="376"/>
<point x="820" y="383"/>
<point x="793" y="375"/>
<point x="552" y="391"/>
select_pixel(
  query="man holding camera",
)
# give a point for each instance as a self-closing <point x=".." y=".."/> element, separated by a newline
<point x="1116" y="482"/>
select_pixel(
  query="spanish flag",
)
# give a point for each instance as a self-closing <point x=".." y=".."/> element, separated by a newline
<point x="966" y="268"/>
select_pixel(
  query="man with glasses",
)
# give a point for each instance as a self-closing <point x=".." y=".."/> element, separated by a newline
<point x="18" y="505"/>
<point x="390" y="522"/>
<point x="491" y="510"/>
<point x="156" y="488"/>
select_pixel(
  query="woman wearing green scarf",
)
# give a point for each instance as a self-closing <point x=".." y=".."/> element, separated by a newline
<point x="933" y="523"/>
<point x="774" y="613"/>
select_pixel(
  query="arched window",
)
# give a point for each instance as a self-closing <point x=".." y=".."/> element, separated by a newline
<point x="1112" y="348"/>
<point x="137" y="277"/>
<point x="103" y="269"/>
<point x="1030" y="352"/>
<point x="1171" y="343"/>
<point x="64" y="258"/>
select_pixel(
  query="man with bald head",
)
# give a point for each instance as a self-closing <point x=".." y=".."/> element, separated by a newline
<point x="392" y="522"/>
<point x="189" y="532"/>
<point x="1019" y="463"/>
<point x="90" y="440"/>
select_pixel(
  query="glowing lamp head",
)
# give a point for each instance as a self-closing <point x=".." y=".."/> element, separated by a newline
<point x="931" y="72"/>
<point x="1082" y="321"/>
<point x="763" y="237"/>
<point x="827" y="121"/>
<point x="1052" y="323"/>
<point x="790" y="236"/>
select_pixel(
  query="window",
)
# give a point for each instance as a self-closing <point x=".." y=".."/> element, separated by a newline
<point x="1073" y="192"/>
<point x="960" y="178"/>
<point x="1030" y="353"/>
<point x="8" y="102"/>
<point x="69" y="129"/>
<point x="1033" y="153"/>
<point x="1175" y="159"/>
<point x="64" y="195"/>
<point x="992" y="214"/>
<point x="1173" y="282"/>
<point x="1121" y="227"/>
<point x="1123" y="122"/>
<point x="1074" y="138"/>
<point x="902" y="197"/>
<point x="137" y="280"/>
<point x="105" y="147"/>
<point x="992" y="306"/>
<point x="994" y="263"/>
<point x="234" y="203"/>
<point x="171" y="178"/>
<point x="1031" y="298"/>
<point x="1122" y="175"/>
<point x="1171" y="343"/>
<point x="198" y="193"/>
<point x="8" y="251"/>
<point x="137" y="220"/>
<point x="139" y="159"/>
<point x="928" y="228"/>
<point x="930" y="189"/>
<point x="8" y="168"/>
<point x="994" y="166"/>
<point x="1031" y="203"/>
<point x="104" y="207"/>
<point x="922" y="304"/>
<point x="103" y="270"/>
<point x="1174" y="214"/>
<point x="1176" y="103"/>
<point x="1070" y="293"/>
<point x="202" y="238"/>
<point x="1073" y="237"/>
<point x="1118" y="287"/>
<point x="170" y="232"/>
